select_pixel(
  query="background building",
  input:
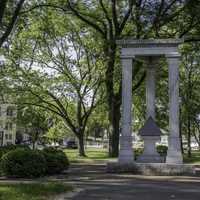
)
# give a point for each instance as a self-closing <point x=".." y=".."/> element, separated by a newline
<point x="8" y="115"/>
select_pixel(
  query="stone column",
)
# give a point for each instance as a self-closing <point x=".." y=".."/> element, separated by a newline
<point x="150" y="88"/>
<point x="126" y="151"/>
<point x="174" y="154"/>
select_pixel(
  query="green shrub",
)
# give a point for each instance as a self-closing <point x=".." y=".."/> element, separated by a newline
<point x="162" y="150"/>
<point x="138" y="152"/>
<point x="6" y="149"/>
<point x="23" y="146"/>
<point x="23" y="163"/>
<point x="56" y="160"/>
<point x="52" y="150"/>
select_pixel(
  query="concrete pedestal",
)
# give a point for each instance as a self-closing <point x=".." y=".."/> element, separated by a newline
<point x="153" y="169"/>
<point x="150" y="155"/>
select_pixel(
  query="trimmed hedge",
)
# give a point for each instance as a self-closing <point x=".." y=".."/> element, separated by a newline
<point x="138" y="152"/>
<point x="6" y="149"/>
<point x="56" y="160"/>
<point x="23" y="163"/>
<point x="162" y="149"/>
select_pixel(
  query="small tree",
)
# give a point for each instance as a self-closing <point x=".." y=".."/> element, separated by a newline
<point x="57" y="132"/>
<point x="34" y="121"/>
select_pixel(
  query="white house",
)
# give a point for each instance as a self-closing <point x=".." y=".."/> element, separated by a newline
<point x="8" y="115"/>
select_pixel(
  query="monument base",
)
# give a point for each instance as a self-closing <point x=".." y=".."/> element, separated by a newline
<point x="152" y="169"/>
<point x="174" y="157"/>
<point x="150" y="159"/>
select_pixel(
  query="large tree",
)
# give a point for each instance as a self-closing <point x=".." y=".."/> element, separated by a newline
<point x="54" y="69"/>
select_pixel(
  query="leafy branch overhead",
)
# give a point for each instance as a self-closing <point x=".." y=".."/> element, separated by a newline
<point x="9" y="13"/>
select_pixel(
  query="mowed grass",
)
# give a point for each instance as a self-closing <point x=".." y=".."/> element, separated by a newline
<point x="92" y="155"/>
<point x="32" y="191"/>
<point x="101" y="155"/>
<point x="195" y="159"/>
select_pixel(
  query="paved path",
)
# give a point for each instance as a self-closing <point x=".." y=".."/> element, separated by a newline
<point x="95" y="184"/>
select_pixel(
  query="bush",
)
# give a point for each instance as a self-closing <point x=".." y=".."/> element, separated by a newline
<point x="162" y="150"/>
<point x="23" y="163"/>
<point x="56" y="160"/>
<point x="138" y="152"/>
<point x="6" y="149"/>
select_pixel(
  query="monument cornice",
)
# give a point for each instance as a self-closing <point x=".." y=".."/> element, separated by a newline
<point x="140" y="43"/>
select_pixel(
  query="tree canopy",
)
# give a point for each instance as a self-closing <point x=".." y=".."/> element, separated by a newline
<point x="63" y="58"/>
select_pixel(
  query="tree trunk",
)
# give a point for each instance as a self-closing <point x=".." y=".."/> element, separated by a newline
<point x="189" y="136"/>
<point x="33" y="144"/>
<point x="115" y="132"/>
<point x="81" y="146"/>
<point x="181" y="140"/>
<point x="114" y="101"/>
<point x="199" y="139"/>
<point x="180" y="132"/>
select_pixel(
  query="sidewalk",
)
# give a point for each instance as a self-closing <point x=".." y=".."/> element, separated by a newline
<point x="96" y="184"/>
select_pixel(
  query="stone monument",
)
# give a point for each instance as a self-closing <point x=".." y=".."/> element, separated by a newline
<point x="150" y="133"/>
<point x="150" y="50"/>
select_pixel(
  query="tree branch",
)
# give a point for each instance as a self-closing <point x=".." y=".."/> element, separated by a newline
<point x="12" y="22"/>
<point x="77" y="14"/>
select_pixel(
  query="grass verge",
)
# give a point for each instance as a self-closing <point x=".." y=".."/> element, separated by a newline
<point x="32" y="191"/>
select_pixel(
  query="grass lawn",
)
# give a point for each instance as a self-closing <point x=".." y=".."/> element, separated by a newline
<point x="93" y="155"/>
<point x="32" y="191"/>
<point x="99" y="154"/>
<point x="195" y="159"/>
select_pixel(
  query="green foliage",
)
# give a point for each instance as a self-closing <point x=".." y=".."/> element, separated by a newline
<point x="56" y="160"/>
<point x="137" y="152"/>
<point x="34" y="120"/>
<point x="162" y="149"/>
<point x="6" y="149"/>
<point x="58" y="131"/>
<point x="23" y="163"/>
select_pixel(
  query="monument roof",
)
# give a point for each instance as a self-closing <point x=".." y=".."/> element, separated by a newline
<point x="150" y="128"/>
<point x="149" y="47"/>
<point x="149" y="42"/>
